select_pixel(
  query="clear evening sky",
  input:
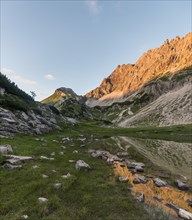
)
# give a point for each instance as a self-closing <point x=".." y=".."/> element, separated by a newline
<point x="50" y="44"/>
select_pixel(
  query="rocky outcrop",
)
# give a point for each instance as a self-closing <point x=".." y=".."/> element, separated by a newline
<point x="28" y="122"/>
<point x="126" y="79"/>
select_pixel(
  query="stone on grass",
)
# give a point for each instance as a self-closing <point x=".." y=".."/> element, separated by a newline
<point x="71" y="161"/>
<point x="13" y="159"/>
<point x="61" y="153"/>
<point x="42" y="200"/>
<point x="8" y="166"/>
<point x="159" y="183"/>
<point x="181" y="185"/>
<point x="66" y="176"/>
<point x="52" y="154"/>
<point x="46" y="158"/>
<point x="24" y="217"/>
<point x="54" y="171"/>
<point x="81" y="165"/>
<point x="75" y="152"/>
<point x="6" y="149"/>
<point x="141" y="198"/>
<point x="123" y="178"/>
<point x="63" y="147"/>
<point x="57" y="185"/>
<point x="35" y="166"/>
<point x="45" y="176"/>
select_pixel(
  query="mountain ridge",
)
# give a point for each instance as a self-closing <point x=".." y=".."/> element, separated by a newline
<point x="169" y="58"/>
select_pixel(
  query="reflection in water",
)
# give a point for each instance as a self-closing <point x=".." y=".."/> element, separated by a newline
<point x="170" y="155"/>
<point x="166" y="194"/>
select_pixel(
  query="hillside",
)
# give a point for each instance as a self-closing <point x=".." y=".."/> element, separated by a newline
<point x="69" y="104"/>
<point x="60" y="94"/>
<point x="126" y="79"/>
<point x="19" y="113"/>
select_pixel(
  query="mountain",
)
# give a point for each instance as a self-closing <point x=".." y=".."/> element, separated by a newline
<point x="69" y="104"/>
<point x="59" y="95"/>
<point x="161" y="102"/>
<point x="126" y="79"/>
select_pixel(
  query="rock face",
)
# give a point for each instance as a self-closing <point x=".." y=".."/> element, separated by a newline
<point x="128" y="78"/>
<point x="27" y="122"/>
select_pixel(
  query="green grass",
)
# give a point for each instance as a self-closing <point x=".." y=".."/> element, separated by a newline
<point x="86" y="195"/>
<point x="94" y="195"/>
<point x="179" y="133"/>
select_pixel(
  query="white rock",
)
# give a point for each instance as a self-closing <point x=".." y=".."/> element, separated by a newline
<point x="71" y="161"/>
<point x="42" y="200"/>
<point x="185" y="214"/>
<point x="123" y="178"/>
<point x="160" y="183"/>
<point x="46" y="158"/>
<point x="63" y="147"/>
<point x="57" y="185"/>
<point x="45" y="176"/>
<point x="6" y="149"/>
<point x="13" y="159"/>
<point x="52" y="154"/>
<point x="75" y="152"/>
<point x="81" y="165"/>
<point x="24" y="217"/>
<point x="61" y="153"/>
<point x="66" y="176"/>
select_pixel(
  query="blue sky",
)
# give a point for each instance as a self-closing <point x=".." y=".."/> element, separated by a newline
<point x="50" y="44"/>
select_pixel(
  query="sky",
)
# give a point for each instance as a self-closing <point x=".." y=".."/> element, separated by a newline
<point x="50" y="44"/>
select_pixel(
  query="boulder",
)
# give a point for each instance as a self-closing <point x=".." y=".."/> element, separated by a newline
<point x="13" y="159"/>
<point x="185" y="214"/>
<point x="81" y="165"/>
<point x="8" y="166"/>
<point x="122" y="154"/>
<point x="139" y="167"/>
<point x="159" y="183"/>
<point x="99" y="154"/>
<point x="6" y="149"/>
<point x="140" y="179"/>
<point x="181" y="185"/>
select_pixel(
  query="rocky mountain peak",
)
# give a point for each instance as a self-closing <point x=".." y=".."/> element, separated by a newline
<point x="169" y="58"/>
<point x="65" y="91"/>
